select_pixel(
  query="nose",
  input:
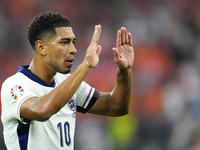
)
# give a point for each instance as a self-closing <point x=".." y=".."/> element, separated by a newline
<point x="72" y="49"/>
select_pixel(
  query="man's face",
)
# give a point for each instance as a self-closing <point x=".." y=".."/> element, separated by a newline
<point x="61" y="50"/>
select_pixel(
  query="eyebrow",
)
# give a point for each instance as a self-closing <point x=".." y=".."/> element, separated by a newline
<point x="66" y="39"/>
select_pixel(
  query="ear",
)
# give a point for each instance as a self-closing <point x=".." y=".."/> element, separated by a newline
<point x="40" y="47"/>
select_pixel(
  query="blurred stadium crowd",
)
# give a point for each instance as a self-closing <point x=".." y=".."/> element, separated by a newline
<point x="165" y="110"/>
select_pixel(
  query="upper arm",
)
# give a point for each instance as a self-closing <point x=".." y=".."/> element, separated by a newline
<point x="33" y="110"/>
<point x="14" y="95"/>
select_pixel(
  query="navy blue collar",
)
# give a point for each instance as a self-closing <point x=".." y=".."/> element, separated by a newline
<point x="29" y="74"/>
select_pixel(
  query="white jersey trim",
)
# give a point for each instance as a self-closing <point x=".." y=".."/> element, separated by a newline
<point x="89" y="95"/>
<point x="19" y="107"/>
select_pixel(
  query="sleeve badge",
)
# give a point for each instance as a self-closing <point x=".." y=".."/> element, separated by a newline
<point x="16" y="91"/>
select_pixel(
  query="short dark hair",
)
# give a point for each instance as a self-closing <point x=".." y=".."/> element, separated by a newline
<point x="45" y="24"/>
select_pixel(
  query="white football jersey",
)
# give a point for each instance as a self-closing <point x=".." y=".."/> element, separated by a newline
<point x="57" y="133"/>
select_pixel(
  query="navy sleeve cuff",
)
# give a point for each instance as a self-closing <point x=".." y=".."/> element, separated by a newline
<point x="92" y="101"/>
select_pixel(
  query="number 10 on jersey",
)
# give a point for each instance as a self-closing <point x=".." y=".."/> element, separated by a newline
<point x="64" y="133"/>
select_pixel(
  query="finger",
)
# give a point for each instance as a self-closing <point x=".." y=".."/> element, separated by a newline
<point x="96" y="35"/>
<point x="118" y="41"/>
<point x="126" y="37"/>
<point x="123" y="35"/>
<point x="130" y="39"/>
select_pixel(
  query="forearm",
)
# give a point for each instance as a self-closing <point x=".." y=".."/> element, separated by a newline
<point x="60" y="95"/>
<point x="42" y="108"/>
<point x="122" y="92"/>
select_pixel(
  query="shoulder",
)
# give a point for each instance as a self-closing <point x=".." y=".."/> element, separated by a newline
<point x="62" y="75"/>
<point x="16" y="78"/>
<point x="59" y="77"/>
<point x="15" y="81"/>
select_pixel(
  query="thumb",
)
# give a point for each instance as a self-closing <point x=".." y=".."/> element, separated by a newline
<point x="98" y="51"/>
<point x="115" y="52"/>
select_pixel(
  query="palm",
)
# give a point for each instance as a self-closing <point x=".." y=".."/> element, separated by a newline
<point x="124" y="53"/>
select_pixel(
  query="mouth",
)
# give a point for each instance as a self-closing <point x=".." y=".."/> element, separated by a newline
<point x="69" y="62"/>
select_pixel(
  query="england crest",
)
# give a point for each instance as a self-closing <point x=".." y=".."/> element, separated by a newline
<point x="72" y="104"/>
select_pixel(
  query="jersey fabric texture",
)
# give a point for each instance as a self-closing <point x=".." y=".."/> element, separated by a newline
<point x="57" y="133"/>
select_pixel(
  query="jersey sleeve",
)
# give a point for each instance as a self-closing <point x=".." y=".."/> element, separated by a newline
<point x="86" y="96"/>
<point x="13" y="94"/>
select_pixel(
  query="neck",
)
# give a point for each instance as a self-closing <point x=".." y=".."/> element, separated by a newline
<point x="42" y="72"/>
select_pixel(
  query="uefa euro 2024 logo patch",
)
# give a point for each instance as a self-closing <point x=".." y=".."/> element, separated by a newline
<point x="72" y="104"/>
<point x="16" y="91"/>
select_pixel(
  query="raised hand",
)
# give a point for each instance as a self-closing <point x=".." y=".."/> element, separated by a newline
<point x="94" y="50"/>
<point x="123" y="52"/>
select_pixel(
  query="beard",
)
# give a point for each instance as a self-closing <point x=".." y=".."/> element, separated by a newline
<point x="59" y="69"/>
